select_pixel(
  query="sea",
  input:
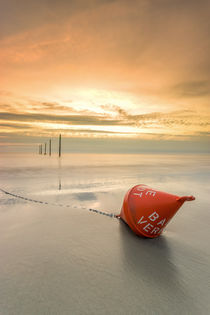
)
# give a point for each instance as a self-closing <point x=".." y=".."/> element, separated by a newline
<point x="57" y="257"/>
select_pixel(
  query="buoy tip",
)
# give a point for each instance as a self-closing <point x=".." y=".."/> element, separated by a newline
<point x="186" y="198"/>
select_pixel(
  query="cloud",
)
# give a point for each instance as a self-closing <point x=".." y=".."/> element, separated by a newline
<point x="28" y="14"/>
<point x="153" y="53"/>
<point x="15" y="126"/>
<point x="71" y="119"/>
<point x="52" y="106"/>
<point x="195" y="88"/>
<point x="144" y="47"/>
<point x="168" y="119"/>
<point x="114" y="121"/>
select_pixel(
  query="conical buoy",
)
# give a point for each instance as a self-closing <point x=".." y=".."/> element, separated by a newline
<point x="147" y="211"/>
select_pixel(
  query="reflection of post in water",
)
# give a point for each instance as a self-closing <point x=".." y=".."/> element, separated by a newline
<point x="59" y="174"/>
<point x="50" y="147"/>
<point x="59" y="149"/>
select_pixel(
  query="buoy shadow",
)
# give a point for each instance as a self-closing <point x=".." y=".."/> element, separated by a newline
<point x="148" y="270"/>
<point x="149" y="259"/>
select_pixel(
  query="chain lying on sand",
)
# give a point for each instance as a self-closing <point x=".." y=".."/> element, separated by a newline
<point x="112" y="215"/>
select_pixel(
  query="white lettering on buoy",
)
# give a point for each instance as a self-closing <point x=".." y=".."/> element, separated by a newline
<point x="152" y="228"/>
<point x="155" y="230"/>
<point x="148" y="227"/>
<point x="154" y="216"/>
<point x="140" y="220"/>
<point x="162" y="222"/>
<point x="142" y="190"/>
<point x="151" y="192"/>
<point x="140" y="195"/>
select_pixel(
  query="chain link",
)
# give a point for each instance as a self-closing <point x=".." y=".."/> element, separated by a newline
<point x="112" y="215"/>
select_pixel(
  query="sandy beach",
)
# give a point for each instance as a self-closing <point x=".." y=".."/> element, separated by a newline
<point x="67" y="260"/>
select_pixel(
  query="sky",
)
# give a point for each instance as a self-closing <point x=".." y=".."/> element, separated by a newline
<point x="106" y="74"/>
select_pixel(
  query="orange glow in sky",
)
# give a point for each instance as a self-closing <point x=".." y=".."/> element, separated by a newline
<point x="104" y="69"/>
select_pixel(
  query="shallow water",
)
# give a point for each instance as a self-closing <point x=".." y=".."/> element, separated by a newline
<point x="57" y="260"/>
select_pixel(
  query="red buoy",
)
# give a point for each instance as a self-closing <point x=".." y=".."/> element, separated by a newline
<point x="147" y="211"/>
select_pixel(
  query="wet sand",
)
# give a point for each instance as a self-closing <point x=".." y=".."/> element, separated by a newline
<point x="57" y="260"/>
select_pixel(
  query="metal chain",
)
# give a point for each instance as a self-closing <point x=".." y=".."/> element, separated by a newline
<point x="112" y="215"/>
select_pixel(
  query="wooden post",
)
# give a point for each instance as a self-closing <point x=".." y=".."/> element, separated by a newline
<point x="45" y="148"/>
<point x="59" y="150"/>
<point x="40" y="148"/>
<point x="50" y="147"/>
